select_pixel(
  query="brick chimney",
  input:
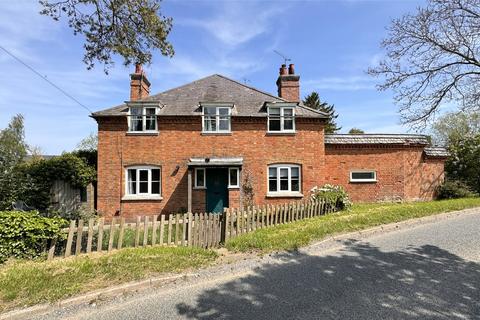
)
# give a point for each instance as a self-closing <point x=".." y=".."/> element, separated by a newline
<point x="288" y="84"/>
<point x="139" y="84"/>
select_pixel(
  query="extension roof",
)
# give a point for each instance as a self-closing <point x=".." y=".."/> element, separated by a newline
<point x="384" y="139"/>
<point x="185" y="100"/>
<point x="436" y="152"/>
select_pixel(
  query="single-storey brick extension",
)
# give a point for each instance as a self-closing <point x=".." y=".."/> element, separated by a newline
<point x="216" y="143"/>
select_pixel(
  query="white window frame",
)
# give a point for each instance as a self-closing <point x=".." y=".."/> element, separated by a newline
<point x="230" y="185"/>
<point x="289" y="168"/>
<point x="282" y="119"/>
<point x="196" y="186"/>
<point x="149" y="194"/>
<point x="144" y="119"/>
<point x="363" y="180"/>
<point x="217" y="119"/>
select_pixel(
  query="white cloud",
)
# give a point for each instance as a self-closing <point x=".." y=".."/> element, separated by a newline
<point x="238" y="22"/>
<point x="347" y="83"/>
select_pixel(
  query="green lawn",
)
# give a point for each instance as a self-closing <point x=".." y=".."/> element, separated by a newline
<point x="361" y="216"/>
<point x="29" y="282"/>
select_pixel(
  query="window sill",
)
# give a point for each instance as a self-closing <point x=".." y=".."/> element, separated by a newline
<point x="280" y="133"/>
<point x="363" y="181"/>
<point x="140" y="198"/>
<point x="233" y="187"/>
<point x="284" y="195"/>
<point x="199" y="188"/>
<point x="142" y="133"/>
<point x="216" y="133"/>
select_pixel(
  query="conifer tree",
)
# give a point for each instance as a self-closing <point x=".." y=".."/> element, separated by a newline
<point x="313" y="101"/>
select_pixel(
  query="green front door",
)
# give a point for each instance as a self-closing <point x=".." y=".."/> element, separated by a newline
<point x="217" y="189"/>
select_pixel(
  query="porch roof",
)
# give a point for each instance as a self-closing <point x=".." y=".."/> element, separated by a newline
<point x="215" y="162"/>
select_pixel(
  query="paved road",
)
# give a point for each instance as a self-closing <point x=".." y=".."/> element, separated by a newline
<point x="431" y="271"/>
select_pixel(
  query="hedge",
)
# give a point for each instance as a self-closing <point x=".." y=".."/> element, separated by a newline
<point x="27" y="234"/>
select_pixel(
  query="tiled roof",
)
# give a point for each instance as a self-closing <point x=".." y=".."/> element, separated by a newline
<point x="400" y="139"/>
<point x="184" y="100"/>
<point x="436" y="152"/>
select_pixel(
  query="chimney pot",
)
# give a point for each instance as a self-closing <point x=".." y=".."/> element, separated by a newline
<point x="138" y="68"/>
<point x="291" y="69"/>
<point x="288" y="84"/>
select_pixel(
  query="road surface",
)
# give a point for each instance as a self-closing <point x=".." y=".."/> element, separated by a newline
<point x="429" y="271"/>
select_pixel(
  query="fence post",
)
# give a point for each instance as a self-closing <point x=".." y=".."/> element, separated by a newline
<point x="227" y="224"/>
<point x="71" y="231"/>
<point x="237" y="217"/>
<point x="100" y="235"/>
<point x="162" y="229"/>
<point x="90" y="235"/>
<point x="154" y="229"/>
<point x="177" y="229"/>
<point x="111" y="235"/>
<point x="189" y="230"/>
<point x="78" y="247"/>
<point x="120" y="235"/>
<point x="169" y="231"/>
<point x="145" y="231"/>
<point x="137" y="231"/>
<point x="184" y="229"/>
<point x="51" y="251"/>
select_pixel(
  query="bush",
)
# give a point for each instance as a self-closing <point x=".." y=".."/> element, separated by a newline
<point x="454" y="190"/>
<point x="26" y="234"/>
<point x="335" y="195"/>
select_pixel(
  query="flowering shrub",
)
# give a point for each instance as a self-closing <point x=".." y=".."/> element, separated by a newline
<point x="335" y="195"/>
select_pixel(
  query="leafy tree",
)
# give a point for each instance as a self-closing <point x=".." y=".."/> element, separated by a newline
<point x="130" y="28"/>
<point x="313" y="101"/>
<point x="356" y="131"/>
<point x="13" y="150"/>
<point x="87" y="149"/>
<point x="89" y="143"/>
<point x="463" y="162"/>
<point x="453" y="127"/>
<point x="460" y="133"/>
<point x="432" y="59"/>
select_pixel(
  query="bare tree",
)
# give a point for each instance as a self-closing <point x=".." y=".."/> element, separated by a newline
<point x="433" y="59"/>
<point x="130" y="28"/>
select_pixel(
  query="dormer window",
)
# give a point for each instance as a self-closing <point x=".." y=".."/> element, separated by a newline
<point x="281" y="119"/>
<point x="216" y="119"/>
<point x="142" y="119"/>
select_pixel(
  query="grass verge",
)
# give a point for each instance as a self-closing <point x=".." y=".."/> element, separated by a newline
<point x="24" y="283"/>
<point x="360" y="216"/>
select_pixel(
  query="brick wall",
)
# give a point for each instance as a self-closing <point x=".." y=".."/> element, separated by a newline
<point x="402" y="172"/>
<point x="180" y="139"/>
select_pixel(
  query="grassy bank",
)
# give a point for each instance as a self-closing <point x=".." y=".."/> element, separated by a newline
<point x="361" y="216"/>
<point x="30" y="282"/>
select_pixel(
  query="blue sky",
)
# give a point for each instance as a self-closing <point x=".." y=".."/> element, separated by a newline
<point x="332" y="43"/>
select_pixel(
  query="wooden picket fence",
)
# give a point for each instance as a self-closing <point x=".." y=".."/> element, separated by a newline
<point x="207" y="230"/>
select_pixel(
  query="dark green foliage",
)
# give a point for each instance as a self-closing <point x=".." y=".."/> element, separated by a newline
<point x="26" y="234"/>
<point x="356" y="131"/>
<point x="454" y="190"/>
<point x="313" y="101"/>
<point x="40" y="175"/>
<point x="13" y="150"/>
<point x="130" y="28"/>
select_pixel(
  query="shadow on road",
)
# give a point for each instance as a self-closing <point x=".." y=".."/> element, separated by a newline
<point x="360" y="282"/>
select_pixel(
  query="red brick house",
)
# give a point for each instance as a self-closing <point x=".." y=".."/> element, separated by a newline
<point x="217" y="143"/>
